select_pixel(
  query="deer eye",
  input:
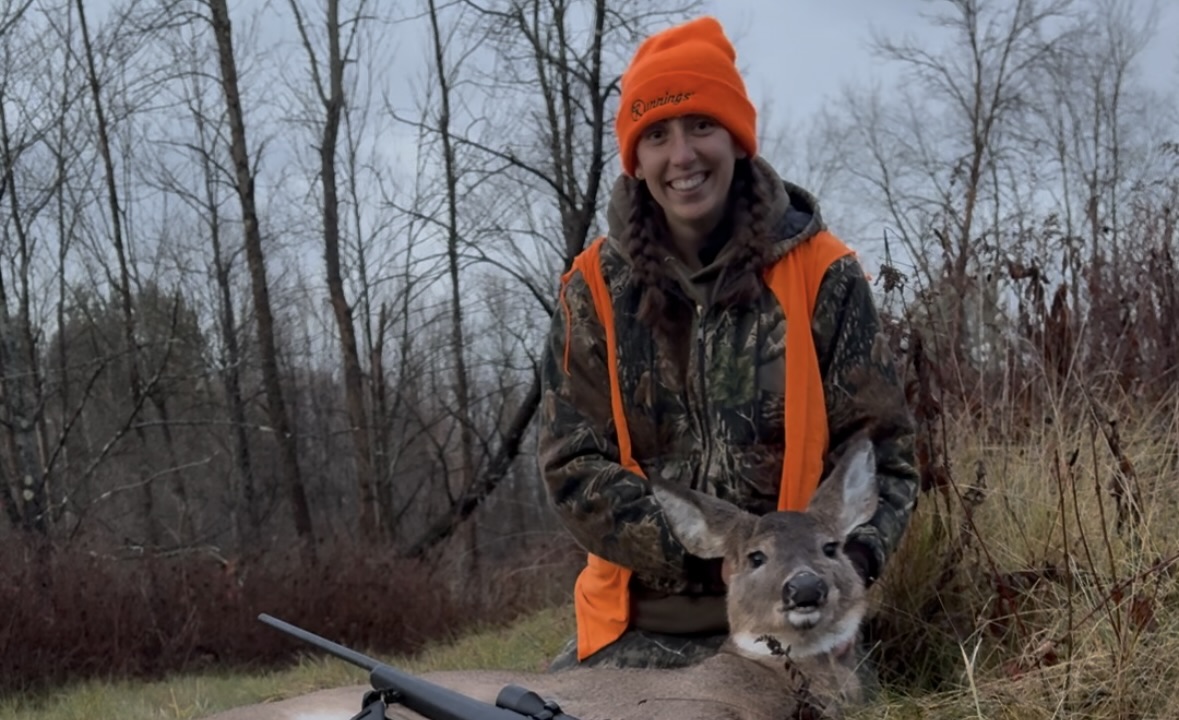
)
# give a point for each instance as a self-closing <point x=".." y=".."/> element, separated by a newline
<point x="830" y="549"/>
<point x="756" y="558"/>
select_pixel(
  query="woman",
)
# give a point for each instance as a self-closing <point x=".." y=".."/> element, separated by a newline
<point x="672" y="357"/>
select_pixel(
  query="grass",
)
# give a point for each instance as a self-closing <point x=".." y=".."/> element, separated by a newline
<point x="523" y="646"/>
<point x="1019" y="595"/>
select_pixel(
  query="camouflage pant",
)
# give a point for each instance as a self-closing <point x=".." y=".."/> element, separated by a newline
<point x="642" y="648"/>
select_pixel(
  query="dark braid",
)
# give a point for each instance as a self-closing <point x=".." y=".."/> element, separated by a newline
<point x="644" y="226"/>
<point x="751" y="213"/>
<point x="743" y="280"/>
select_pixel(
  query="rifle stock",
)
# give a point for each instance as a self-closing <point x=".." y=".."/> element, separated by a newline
<point x="423" y="697"/>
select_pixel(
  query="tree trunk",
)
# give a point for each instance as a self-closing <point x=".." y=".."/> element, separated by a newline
<point x="247" y="520"/>
<point x="275" y="404"/>
<point x="333" y="102"/>
<point x="462" y="392"/>
<point x="27" y="501"/>
<point x="382" y="424"/>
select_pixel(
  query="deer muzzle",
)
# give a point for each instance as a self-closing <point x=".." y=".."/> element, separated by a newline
<point x="804" y="591"/>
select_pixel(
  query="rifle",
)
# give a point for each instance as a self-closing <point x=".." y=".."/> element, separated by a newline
<point x="391" y="686"/>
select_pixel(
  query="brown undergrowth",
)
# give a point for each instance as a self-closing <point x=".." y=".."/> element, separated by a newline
<point x="72" y="617"/>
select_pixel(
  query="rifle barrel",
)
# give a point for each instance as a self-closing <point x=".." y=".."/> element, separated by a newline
<point x="346" y="654"/>
<point x="423" y="697"/>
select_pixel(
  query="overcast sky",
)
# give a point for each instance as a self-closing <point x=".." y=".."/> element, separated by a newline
<point x="795" y="54"/>
<point x="802" y="50"/>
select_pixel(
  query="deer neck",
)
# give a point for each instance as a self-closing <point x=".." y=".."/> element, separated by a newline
<point x="834" y="642"/>
<point x="827" y="675"/>
<point x="833" y="655"/>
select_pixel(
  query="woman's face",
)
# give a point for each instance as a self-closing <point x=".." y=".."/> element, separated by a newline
<point x="687" y="163"/>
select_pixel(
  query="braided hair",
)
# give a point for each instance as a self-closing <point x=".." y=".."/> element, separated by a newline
<point x="646" y="236"/>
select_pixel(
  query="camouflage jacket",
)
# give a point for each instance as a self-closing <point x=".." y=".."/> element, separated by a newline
<point x="708" y="414"/>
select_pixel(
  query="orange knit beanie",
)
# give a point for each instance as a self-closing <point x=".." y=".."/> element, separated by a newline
<point x="688" y="68"/>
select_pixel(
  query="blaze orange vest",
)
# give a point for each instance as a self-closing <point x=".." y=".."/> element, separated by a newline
<point x="601" y="593"/>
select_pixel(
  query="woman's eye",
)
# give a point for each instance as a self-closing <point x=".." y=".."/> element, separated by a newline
<point x="830" y="549"/>
<point x="757" y="558"/>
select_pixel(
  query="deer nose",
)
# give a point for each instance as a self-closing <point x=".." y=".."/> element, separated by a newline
<point x="805" y="589"/>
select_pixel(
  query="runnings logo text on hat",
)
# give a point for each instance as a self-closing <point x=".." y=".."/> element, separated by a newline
<point x="638" y="107"/>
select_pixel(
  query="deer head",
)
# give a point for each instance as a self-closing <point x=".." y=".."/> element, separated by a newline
<point x="790" y="577"/>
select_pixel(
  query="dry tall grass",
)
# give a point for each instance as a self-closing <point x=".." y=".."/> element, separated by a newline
<point x="1038" y="578"/>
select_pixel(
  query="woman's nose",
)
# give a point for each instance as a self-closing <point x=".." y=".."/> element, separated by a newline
<point x="683" y="152"/>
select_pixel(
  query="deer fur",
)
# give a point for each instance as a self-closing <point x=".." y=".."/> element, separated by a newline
<point x="794" y="603"/>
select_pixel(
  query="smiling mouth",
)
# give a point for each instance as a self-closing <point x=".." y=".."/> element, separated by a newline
<point x="688" y="184"/>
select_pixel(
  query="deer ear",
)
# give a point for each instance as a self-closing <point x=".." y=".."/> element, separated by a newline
<point x="703" y="524"/>
<point x="849" y="496"/>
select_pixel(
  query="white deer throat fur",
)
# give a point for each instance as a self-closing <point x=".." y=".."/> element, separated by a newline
<point x="837" y="643"/>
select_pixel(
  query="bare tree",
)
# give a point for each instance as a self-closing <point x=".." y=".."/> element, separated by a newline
<point x="26" y="497"/>
<point x="64" y="152"/>
<point x="1093" y="119"/>
<point x="375" y="244"/>
<point x="405" y="422"/>
<point x="331" y="95"/>
<point x="244" y="184"/>
<point x="465" y="474"/>
<point x="934" y="158"/>
<point x="205" y="150"/>
<point x="123" y="281"/>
